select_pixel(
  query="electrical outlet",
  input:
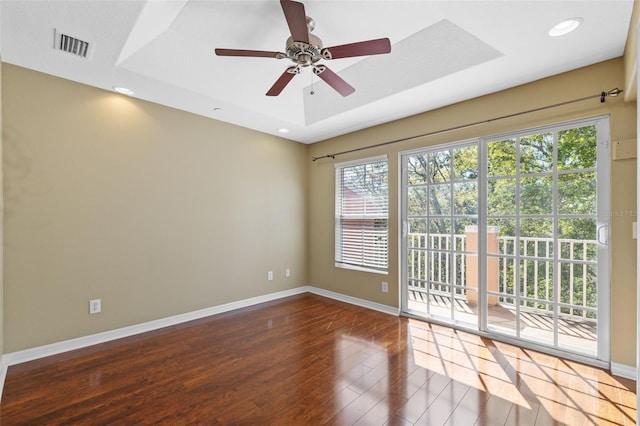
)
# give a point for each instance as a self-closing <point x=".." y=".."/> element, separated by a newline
<point x="385" y="287"/>
<point x="95" y="306"/>
<point x="270" y="275"/>
<point x="287" y="272"/>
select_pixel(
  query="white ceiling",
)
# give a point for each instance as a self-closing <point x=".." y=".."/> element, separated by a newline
<point x="442" y="52"/>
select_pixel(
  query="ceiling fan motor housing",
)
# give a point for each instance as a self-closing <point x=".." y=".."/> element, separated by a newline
<point x="302" y="53"/>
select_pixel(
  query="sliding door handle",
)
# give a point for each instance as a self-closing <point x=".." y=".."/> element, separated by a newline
<point x="603" y="234"/>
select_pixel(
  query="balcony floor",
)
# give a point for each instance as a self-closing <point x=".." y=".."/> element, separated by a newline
<point x="574" y="333"/>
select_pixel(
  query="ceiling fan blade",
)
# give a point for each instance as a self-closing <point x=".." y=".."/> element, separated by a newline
<point x="334" y="80"/>
<point x="362" y="48"/>
<point x="250" y="53"/>
<point x="297" y="20"/>
<point x="282" y="82"/>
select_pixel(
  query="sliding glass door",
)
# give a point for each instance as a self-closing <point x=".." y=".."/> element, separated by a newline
<point x="441" y="189"/>
<point x="509" y="235"/>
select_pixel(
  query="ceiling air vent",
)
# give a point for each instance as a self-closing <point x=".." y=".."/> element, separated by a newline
<point x="69" y="44"/>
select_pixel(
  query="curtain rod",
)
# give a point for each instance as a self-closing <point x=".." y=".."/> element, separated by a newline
<point x="602" y="95"/>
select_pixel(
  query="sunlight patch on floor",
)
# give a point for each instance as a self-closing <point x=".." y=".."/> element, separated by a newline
<point x="457" y="360"/>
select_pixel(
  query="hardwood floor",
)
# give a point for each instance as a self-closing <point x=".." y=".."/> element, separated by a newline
<point x="311" y="360"/>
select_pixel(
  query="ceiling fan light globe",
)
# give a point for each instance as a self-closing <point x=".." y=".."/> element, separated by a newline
<point x="311" y="24"/>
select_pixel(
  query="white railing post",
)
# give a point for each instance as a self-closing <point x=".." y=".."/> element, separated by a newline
<point x="571" y="275"/>
<point x="535" y="270"/>
<point x="547" y="271"/>
<point x="584" y="278"/>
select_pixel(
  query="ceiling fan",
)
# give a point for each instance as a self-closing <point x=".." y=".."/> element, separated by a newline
<point x="305" y="50"/>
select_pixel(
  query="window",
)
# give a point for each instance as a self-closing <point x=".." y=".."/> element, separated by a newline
<point x="362" y="214"/>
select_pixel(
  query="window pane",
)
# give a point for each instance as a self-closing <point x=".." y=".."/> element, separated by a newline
<point x="536" y="237"/>
<point x="417" y="226"/>
<point x="465" y="163"/>
<point x="536" y="153"/>
<point x="577" y="193"/>
<point x="465" y="198"/>
<point x="577" y="229"/>
<point x="502" y="158"/>
<point x="440" y="226"/>
<point x="577" y="148"/>
<point x="536" y="195"/>
<point x="536" y="280"/>
<point x="505" y="230"/>
<point x="501" y="196"/>
<point x="417" y="170"/>
<point x="440" y="200"/>
<point x="536" y="228"/>
<point x="440" y="166"/>
<point x="417" y="201"/>
<point x="577" y="238"/>
<point x="461" y="227"/>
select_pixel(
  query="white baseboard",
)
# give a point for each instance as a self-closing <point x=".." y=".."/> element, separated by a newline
<point x="31" y="354"/>
<point x="623" y="370"/>
<point x="38" y="352"/>
<point x="354" y="301"/>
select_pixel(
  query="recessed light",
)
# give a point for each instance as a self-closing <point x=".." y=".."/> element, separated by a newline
<point x="565" y="27"/>
<point x="123" y="90"/>
<point x="283" y="130"/>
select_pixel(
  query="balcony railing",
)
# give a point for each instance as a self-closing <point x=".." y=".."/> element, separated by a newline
<point x="438" y="261"/>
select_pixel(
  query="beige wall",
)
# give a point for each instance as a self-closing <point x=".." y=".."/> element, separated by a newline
<point x="630" y="57"/>
<point x="572" y="85"/>
<point x="1" y="233"/>
<point x="155" y="211"/>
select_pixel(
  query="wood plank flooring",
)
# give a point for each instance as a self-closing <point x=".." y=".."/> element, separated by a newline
<point x="311" y="360"/>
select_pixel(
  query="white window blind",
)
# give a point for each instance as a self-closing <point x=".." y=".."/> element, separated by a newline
<point x="362" y="214"/>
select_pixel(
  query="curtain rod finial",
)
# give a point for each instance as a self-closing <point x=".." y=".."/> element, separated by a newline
<point x="614" y="92"/>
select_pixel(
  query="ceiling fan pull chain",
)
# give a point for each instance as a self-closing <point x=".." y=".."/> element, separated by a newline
<point x="312" y="91"/>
